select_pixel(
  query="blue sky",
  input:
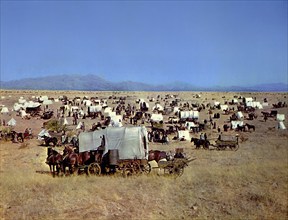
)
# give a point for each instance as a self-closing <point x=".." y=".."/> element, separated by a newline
<point x="199" y="42"/>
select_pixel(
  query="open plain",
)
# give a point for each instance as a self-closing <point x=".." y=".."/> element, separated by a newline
<point x="250" y="183"/>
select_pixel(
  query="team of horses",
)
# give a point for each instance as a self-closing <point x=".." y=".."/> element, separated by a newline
<point x="70" y="159"/>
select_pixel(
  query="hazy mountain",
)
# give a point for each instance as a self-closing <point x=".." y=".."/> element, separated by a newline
<point x="96" y="83"/>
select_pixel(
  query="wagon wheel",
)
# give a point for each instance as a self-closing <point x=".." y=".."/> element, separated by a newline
<point x="128" y="170"/>
<point x="234" y="147"/>
<point x="176" y="170"/>
<point x="146" y="168"/>
<point x="221" y="147"/>
<point x="93" y="169"/>
<point x="137" y="168"/>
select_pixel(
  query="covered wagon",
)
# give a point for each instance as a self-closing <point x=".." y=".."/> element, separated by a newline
<point x="123" y="149"/>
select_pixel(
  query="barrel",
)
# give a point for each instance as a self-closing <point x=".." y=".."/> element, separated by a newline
<point x="113" y="156"/>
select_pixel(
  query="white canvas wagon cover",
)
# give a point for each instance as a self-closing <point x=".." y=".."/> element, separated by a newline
<point x="130" y="141"/>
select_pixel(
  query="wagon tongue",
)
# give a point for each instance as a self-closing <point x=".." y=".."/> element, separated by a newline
<point x="190" y="160"/>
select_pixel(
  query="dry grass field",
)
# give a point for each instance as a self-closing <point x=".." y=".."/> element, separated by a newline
<point x="251" y="183"/>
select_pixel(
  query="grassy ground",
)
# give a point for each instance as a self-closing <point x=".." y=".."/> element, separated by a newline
<point x="251" y="183"/>
<point x="248" y="184"/>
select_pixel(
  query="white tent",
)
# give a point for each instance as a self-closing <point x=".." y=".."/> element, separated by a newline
<point x="44" y="97"/>
<point x="109" y="114"/>
<point x="143" y="104"/>
<point x="190" y="125"/>
<point x="87" y="102"/>
<point x="254" y="105"/>
<point x="239" y="115"/>
<point x="215" y="103"/>
<point x="12" y="122"/>
<point x="44" y="132"/>
<point x="4" y="110"/>
<point x="280" y="117"/>
<point x="96" y="108"/>
<point x="47" y="102"/>
<point x="131" y="142"/>
<point x="23" y="114"/>
<point x="281" y="125"/>
<point x="189" y="114"/>
<point x="156" y="117"/>
<point x="249" y="99"/>
<point x="74" y="108"/>
<point x="176" y="109"/>
<point x="184" y="134"/>
<point x="224" y="107"/>
<point x="21" y="101"/>
<point x="17" y="107"/>
<point x="116" y="121"/>
<point x="235" y="123"/>
<point x="107" y="109"/>
<point x="80" y="124"/>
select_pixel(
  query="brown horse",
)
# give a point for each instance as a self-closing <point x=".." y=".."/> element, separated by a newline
<point x="70" y="160"/>
<point x="54" y="160"/>
<point x="157" y="155"/>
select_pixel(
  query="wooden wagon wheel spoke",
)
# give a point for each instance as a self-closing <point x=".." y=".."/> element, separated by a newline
<point x="128" y="170"/>
<point x="177" y="171"/>
<point x="94" y="169"/>
<point x="146" y="168"/>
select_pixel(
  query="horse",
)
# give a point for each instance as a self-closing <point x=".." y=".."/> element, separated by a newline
<point x="49" y="140"/>
<point x="240" y="128"/>
<point x="250" y="126"/>
<point x="198" y="142"/>
<point x="157" y="155"/>
<point x="54" y="160"/>
<point x="70" y="160"/>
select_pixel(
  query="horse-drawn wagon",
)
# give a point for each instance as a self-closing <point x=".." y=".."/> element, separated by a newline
<point x="175" y="166"/>
<point x="171" y="165"/>
<point x="227" y="142"/>
<point x="120" y="150"/>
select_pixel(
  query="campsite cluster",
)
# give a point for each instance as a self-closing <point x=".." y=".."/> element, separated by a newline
<point x="105" y="134"/>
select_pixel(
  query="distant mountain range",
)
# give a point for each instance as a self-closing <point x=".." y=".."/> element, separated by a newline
<point x="96" y="83"/>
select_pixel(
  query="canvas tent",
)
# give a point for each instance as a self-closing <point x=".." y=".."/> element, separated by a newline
<point x="280" y="117"/>
<point x="189" y="114"/>
<point x="224" y="107"/>
<point x="156" y="117"/>
<point x="116" y="121"/>
<point x="254" y="105"/>
<point x="184" y="134"/>
<point x="47" y="102"/>
<point x="190" y="125"/>
<point x="234" y="124"/>
<point x="239" y="115"/>
<point x="143" y="105"/>
<point x="4" y="110"/>
<point x="281" y="125"/>
<point x="94" y="108"/>
<point x="12" y="122"/>
<point x="130" y="141"/>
